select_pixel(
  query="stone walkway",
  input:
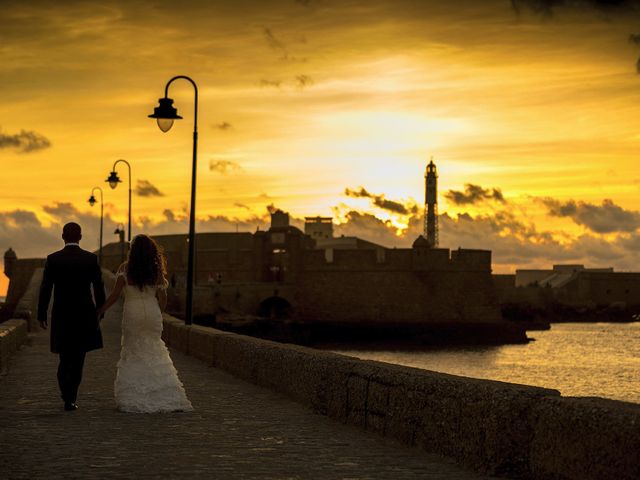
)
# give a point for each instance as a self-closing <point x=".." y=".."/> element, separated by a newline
<point x="238" y="430"/>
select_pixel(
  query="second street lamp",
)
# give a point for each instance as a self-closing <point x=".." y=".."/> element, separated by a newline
<point x="165" y="113"/>
<point x="113" y="182"/>
<point x="92" y="202"/>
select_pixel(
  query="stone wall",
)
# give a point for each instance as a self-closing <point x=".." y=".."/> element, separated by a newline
<point x="13" y="334"/>
<point x="494" y="427"/>
<point x="21" y="275"/>
<point x="399" y="296"/>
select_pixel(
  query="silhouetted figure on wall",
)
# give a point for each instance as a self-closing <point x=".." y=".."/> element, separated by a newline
<point x="75" y="326"/>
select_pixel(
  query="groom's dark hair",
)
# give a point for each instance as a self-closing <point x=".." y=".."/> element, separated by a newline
<point x="71" y="232"/>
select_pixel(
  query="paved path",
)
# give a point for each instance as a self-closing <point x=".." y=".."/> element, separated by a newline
<point x="238" y="430"/>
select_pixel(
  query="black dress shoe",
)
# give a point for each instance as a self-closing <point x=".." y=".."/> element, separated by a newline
<point x="69" y="407"/>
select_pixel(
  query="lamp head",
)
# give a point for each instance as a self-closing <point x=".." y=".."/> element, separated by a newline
<point x="113" y="179"/>
<point x="165" y="113"/>
<point x="92" y="200"/>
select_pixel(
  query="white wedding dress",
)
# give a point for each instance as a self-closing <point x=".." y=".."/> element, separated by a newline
<point x="146" y="380"/>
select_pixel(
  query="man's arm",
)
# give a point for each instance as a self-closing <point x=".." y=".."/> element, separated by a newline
<point x="98" y="285"/>
<point x="45" y="294"/>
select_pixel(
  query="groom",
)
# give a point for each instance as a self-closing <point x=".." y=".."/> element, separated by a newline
<point x="75" y="327"/>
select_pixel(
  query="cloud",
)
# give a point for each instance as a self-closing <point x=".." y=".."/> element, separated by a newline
<point x="224" y="166"/>
<point x="381" y="202"/>
<point x="169" y="215"/>
<point x="605" y="218"/>
<point x="303" y="81"/>
<point x="474" y="194"/>
<point x="270" y="83"/>
<point x="25" y="141"/>
<point x="514" y="241"/>
<point x="278" y="45"/>
<point x="241" y="205"/>
<point x="145" y="188"/>
<point x="272" y="41"/>
<point x="224" y="126"/>
<point x="547" y="7"/>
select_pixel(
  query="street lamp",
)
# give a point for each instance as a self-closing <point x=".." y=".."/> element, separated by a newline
<point x="165" y="113"/>
<point x="120" y="232"/>
<point x="92" y="202"/>
<point x="113" y="180"/>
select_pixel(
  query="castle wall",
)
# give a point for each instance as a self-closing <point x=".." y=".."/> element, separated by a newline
<point x="603" y="288"/>
<point x="396" y="296"/>
<point x="417" y="285"/>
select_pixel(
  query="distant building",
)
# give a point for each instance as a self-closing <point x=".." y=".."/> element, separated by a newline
<point x="558" y="276"/>
<point x="318" y="228"/>
<point x="576" y="285"/>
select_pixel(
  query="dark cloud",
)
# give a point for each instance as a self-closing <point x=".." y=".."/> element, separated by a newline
<point x="145" y="188"/>
<point x="278" y="45"/>
<point x="24" y="142"/>
<point x="169" y="215"/>
<point x="224" y="166"/>
<point x="272" y="41"/>
<point x="635" y="39"/>
<point x="303" y="81"/>
<point x="270" y="83"/>
<point x="474" y="194"/>
<point x="381" y="202"/>
<point x="513" y="241"/>
<point x="547" y="7"/>
<point x="224" y="126"/>
<point x="605" y="218"/>
<point x="241" y="205"/>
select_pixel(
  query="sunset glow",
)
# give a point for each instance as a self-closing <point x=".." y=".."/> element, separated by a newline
<point x="301" y="100"/>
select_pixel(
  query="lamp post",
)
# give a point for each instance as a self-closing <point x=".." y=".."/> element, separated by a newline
<point x="120" y="232"/>
<point x="165" y="113"/>
<point x="113" y="182"/>
<point x="92" y="202"/>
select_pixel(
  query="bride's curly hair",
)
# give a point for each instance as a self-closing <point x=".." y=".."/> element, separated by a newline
<point x="146" y="264"/>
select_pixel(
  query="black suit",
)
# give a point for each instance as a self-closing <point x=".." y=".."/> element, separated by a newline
<point x="75" y="328"/>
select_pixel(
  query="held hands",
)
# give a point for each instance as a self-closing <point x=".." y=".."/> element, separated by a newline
<point x="43" y="324"/>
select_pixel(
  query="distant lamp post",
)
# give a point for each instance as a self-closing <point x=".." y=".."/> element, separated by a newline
<point x="113" y="182"/>
<point x="120" y="232"/>
<point x="165" y="114"/>
<point x="92" y="202"/>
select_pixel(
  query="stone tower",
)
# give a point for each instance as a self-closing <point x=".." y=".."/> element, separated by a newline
<point x="431" y="205"/>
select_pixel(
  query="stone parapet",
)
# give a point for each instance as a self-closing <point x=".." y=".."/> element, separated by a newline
<point x="13" y="334"/>
<point x="494" y="427"/>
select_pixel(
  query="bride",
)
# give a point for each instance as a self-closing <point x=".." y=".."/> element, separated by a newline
<point x="146" y="380"/>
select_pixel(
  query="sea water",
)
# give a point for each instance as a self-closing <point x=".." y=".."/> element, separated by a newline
<point x="578" y="359"/>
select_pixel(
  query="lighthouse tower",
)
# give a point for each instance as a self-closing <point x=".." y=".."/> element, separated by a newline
<point x="431" y="205"/>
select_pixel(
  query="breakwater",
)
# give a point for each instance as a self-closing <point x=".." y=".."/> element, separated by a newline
<point x="494" y="427"/>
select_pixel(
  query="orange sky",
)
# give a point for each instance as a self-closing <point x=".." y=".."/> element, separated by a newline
<point x="300" y="100"/>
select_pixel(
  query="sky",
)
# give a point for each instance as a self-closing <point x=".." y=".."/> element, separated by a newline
<point x="323" y="107"/>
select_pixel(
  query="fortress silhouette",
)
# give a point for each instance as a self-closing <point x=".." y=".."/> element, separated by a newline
<point x="328" y="288"/>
